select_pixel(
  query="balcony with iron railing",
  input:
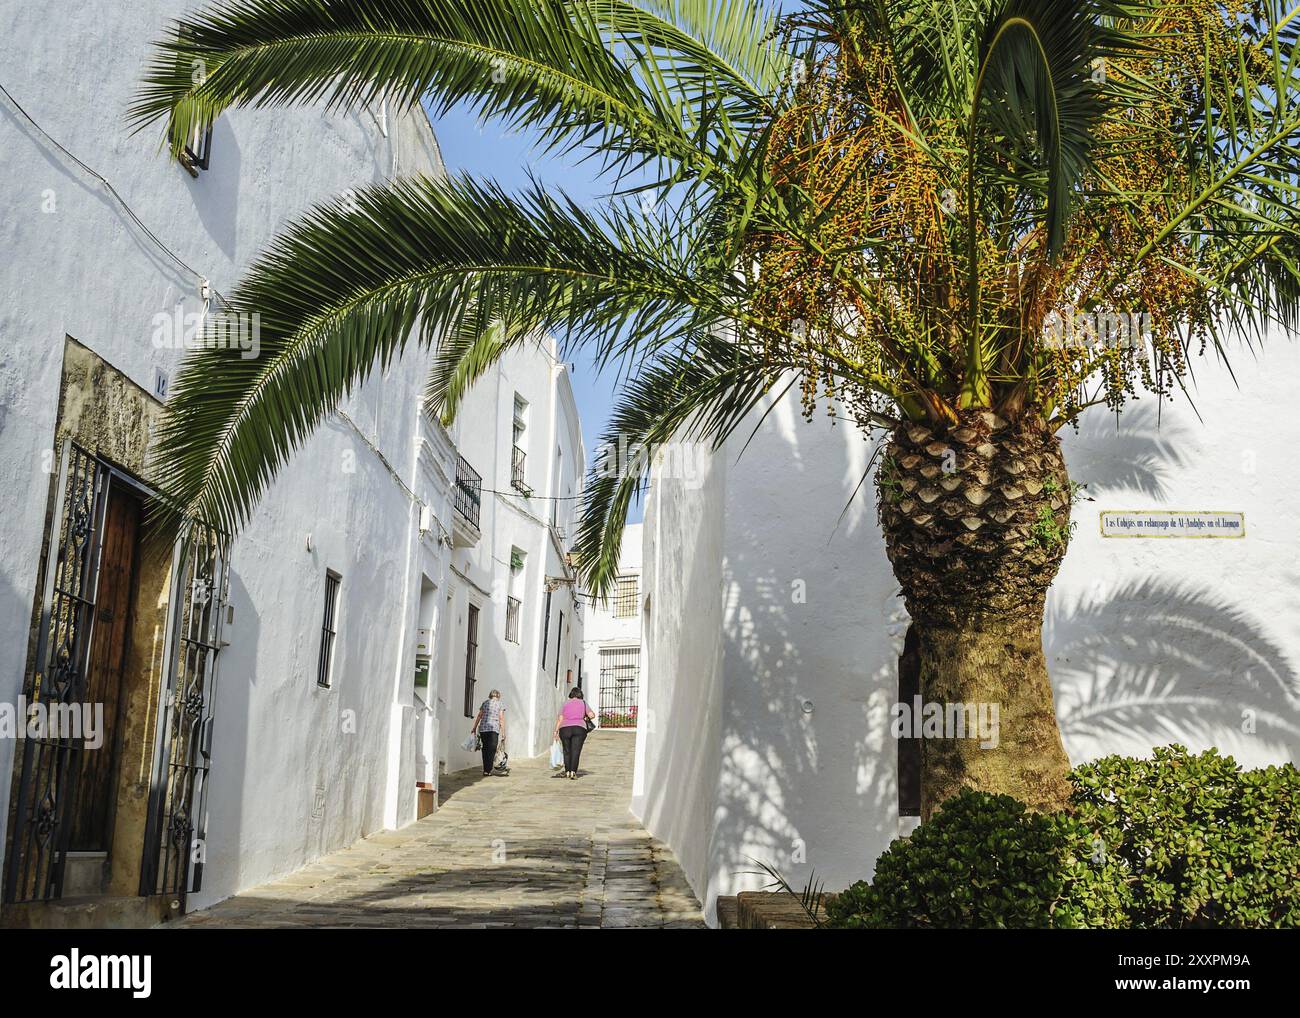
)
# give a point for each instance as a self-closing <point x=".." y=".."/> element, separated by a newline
<point x="467" y="499"/>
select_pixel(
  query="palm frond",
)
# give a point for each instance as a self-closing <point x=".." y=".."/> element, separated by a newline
<point x="540" y="63"/>
<point x="345" y="287"/>
<point x="700" y="393"/>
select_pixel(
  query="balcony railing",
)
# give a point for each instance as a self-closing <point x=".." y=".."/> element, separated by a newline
<point x="517" y="472"/>
<point x="468" y="495"/>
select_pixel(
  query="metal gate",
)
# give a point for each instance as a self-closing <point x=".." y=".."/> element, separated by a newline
<point x="620" y="675"/>
<point x="176" y="835"/>
<point x="51" y="766"/>
<point x="51" y="763"/>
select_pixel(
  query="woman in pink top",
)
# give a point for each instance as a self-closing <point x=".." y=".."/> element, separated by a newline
<point x="571" y="730"/>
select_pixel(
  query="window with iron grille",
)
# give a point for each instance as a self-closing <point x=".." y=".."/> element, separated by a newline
<point x="625" y="597"/>
<point x="329" y="629"/>
<point x="559" y="639"/>
<point x="619" y="683"/>
<point x="471" y="659"/>
<point x="512" y="619"/>
<point x="517" y="460"/>
<point x="546" y="628"/>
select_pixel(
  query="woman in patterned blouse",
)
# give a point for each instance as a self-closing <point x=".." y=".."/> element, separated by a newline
<point x="490" y="726"/>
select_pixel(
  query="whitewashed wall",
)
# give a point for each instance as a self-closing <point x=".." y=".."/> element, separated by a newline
<point x="484" y="434"/>
<point x="679" y="758"/>
<point x="1149" y="641"/>
<point x="297" y="770"/>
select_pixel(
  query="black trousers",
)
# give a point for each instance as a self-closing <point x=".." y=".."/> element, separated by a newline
<point x="571" y="739"/>
<point x="488" y="743"/>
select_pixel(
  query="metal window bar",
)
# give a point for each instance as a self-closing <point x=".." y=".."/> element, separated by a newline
<point x="198" y="150"/>
<point x="518" y="458"/>
<point x="559" y="641"/>
<point x="468" y="494"/>
<point x="546" y="628"/>
<point x="471" y="659"/>
<point x="512" y="619"/>
<point x="329" y="629"/>
<point x="620" y="676"/>
<point x="625" y="591"/>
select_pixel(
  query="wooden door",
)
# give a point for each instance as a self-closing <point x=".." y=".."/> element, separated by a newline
<point x="91" y="818"/>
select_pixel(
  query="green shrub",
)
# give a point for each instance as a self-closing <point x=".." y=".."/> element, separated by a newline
<point x="1199" y="841"/>
<point x="1177" y="840"/>
<point x="983" y="861"/>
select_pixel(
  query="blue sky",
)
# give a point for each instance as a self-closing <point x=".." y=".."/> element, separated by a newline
<point x="488" y="153"/>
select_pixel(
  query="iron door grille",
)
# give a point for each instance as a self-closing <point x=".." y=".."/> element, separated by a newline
<point x="620" y="678"/>
<point x="175" y="841"/>
<point x="50" y="765"/>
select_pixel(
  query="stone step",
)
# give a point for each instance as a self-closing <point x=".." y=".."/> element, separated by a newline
<point x="99" y="912"/>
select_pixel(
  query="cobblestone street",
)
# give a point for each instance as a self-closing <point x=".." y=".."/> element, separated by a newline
<point x="528" y="850"/>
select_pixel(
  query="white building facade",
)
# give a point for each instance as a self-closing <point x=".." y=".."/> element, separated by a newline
<point x="517" y="581"/>
<point x="280" y="695"/>
<point x="611" y="649"/>
<point x="774" y="624"/>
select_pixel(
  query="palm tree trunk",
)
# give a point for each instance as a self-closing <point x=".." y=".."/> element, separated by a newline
<point x="976" y="522"/>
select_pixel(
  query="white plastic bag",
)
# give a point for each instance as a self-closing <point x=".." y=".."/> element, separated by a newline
<point x="471" y="743"/>
<point x="557" y="755"/>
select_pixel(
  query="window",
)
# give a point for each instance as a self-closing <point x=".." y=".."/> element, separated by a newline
<point x="625" y="597"/>
<point x="198" y="146"/>
<point x="559" y="474"/>
<point x="471" y="659"/>
<point x="546" y="628"/>
<point x="512" y="619"/>
<point x="559" y="639"/>
<point x="521" y="419"/>
<point x="198" y="150"/>
<point x="329" y="629"/>
<point x="518" y="458"/>
<point x="620" y="674"/>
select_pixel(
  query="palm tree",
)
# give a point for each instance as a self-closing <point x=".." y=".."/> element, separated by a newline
<point x="960" y="224"/>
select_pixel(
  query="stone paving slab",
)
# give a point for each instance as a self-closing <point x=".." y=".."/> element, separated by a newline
<point x="528" y="850"/>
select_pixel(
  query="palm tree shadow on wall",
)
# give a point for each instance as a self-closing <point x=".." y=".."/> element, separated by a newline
<point x="783" y="768"/>
<point x="1145" y="665"/>
<point x="1133" y="453"/>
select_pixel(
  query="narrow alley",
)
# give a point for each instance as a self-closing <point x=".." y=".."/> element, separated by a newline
<point x="531" y="849"/>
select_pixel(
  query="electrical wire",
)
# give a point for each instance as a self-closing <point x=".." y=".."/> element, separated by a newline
<point x="549" y="498"/>
<point x="140" y="223"/>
